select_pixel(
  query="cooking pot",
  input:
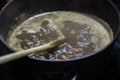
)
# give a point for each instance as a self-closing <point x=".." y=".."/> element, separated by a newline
<point x="94" y="64"/>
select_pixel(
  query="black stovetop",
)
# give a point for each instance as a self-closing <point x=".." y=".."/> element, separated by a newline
<point x="115" y="69"/>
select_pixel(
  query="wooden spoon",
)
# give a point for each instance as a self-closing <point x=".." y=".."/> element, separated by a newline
<point x="19" y="54"/>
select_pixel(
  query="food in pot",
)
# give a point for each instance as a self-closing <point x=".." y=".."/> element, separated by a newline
<point x="85" y="35"/>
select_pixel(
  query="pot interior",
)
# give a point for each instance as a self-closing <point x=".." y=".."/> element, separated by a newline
<point x="19" y="10"/>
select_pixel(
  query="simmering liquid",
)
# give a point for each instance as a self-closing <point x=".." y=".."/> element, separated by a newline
<point x="85" y="34"/>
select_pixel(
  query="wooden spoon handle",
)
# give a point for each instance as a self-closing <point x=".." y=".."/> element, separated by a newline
<point x="16" y="55"/>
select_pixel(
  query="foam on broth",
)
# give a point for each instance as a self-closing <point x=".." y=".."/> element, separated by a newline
<point x="86" y="35"/>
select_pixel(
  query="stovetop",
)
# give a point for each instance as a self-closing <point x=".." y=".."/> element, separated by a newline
<point x="113" y="74"/>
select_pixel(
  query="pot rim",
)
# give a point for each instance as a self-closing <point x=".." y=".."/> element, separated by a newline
<point x="74" y="59"/>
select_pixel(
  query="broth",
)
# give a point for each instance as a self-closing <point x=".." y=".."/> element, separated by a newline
<point x="86" y="35"/>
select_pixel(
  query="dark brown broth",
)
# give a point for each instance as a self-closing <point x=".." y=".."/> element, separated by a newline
<point x="77" y="45"/>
